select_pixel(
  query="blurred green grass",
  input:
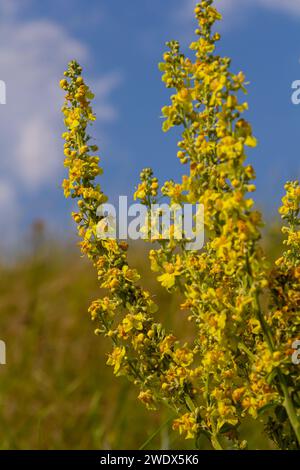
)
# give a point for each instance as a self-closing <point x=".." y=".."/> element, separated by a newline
<point x="56" y="391"/>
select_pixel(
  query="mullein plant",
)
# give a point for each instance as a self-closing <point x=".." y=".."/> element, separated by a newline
<point x="239" y="363"/>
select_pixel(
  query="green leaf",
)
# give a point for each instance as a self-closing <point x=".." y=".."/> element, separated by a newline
<point x="265" y="408"/>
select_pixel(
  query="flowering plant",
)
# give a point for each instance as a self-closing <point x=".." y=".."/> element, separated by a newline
<point x="238" y="364"/>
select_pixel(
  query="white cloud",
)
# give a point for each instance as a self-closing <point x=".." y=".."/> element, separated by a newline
<point x="9" y="213"/>
<point x="7" y="194"/>
<point x="36" y="150"/>
<point x="102" y="88"/>
<point x="289" y="6"/>
<point x="33" y="56"/>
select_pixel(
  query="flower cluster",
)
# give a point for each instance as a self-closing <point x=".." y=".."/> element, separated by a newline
<point x="151" y="358"/>
<point x="284" y="318"/>
<point x="238" y="364"/>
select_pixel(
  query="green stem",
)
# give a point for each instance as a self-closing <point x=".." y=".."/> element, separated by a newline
<point x="215" y="443"/>
<point x="243" y="347"/>
<point x="214" y="439"/>
<point x="265" y="327"/>
<point x="190" y="404"/>
<point x="154" y="434"/>
<point x="289" y="406"/>
<point x="288" y="403"/>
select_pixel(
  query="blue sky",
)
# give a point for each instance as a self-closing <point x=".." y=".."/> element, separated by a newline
<point x="119" y="43"/>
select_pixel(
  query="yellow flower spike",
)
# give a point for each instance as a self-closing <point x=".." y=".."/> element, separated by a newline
<point x="186" y="425"/>
<point x="84" y="149"/>
<point x="63" y="84"/>
<point x="237" y="361"/>
<point x="116" y="359"/>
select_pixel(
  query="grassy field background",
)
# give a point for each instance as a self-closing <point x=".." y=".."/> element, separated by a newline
<point x="56" y="391"/>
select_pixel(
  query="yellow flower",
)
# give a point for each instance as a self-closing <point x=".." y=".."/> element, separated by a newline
<point x="183" y="357"/>
<point x="63" y="84"/>
<point x="167" y="280"/>
<point x="116" y="358"/>
<point x="133" y="322"/>
<point x="130" y="274"/>
<point x="147" y="398"/>
<point x="187" y="424"/>
<point x="167" y="344"/>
